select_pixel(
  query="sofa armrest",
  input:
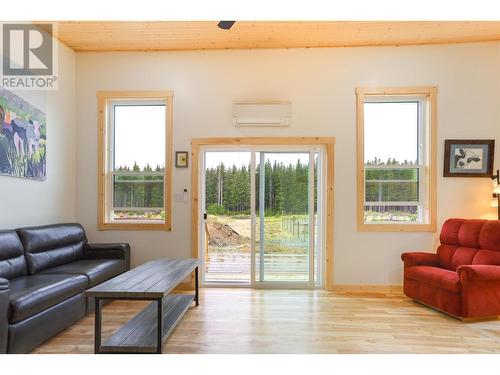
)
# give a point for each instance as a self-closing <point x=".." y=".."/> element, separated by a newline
<point x="108" y="251"/>
<point x="418" y="258"/>
<point x="480" y="290"/>
<point x="484" y="272"/>
<point x="4" y="314"/>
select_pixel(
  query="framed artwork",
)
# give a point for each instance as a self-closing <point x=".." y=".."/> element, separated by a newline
<point x="468" y="158"/>
<point x="181" y="159"/>
<point x="22" y="138"/>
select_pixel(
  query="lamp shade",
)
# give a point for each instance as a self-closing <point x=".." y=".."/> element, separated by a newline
<point x="496" y="189"/>
<point x="494" y="202"/>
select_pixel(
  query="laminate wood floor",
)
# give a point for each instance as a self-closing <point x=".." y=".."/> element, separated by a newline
<point x="298" y="321"/>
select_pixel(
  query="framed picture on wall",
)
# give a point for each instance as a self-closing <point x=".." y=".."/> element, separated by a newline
<point x="468" y="158"/>
<point x="181" y="159"/>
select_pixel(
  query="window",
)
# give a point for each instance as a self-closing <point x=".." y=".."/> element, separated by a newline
<point x="135" y="160"/>
<point x="396" y="159"/>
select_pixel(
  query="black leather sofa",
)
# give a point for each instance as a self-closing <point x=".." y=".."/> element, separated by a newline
<point x="44" y="272"/>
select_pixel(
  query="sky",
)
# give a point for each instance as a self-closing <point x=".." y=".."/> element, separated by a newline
<point x="139" y="135"/>
<point x="391" y="131"/>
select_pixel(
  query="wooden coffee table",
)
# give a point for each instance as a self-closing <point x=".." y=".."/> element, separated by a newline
<point x="152" y="281"/>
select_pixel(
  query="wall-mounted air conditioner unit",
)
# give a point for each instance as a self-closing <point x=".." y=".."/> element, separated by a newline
<point x="262" y="113"/>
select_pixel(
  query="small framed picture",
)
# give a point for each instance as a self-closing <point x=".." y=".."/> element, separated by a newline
<point x="468" y="158"/>
<point x="181" y="159"/>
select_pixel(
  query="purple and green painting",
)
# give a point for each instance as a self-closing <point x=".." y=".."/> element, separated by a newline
<point x="22" y="138"/>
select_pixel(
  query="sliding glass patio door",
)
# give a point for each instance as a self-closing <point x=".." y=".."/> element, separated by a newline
<point x="263" y="214"/>
<point x="285" y="218"/>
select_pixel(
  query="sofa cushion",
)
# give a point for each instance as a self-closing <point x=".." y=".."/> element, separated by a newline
<point x="52" y="245"/>
<point x="445" y="253"/>
<point x="449" y="232"/>
<point x="12" y="262"/>
<point x="32" y="294"/>
<point x="96" y="270"/>
<point x="468" y="235"/>
<point x="463" y="256"/>
<point x="437" y="277"/>
<point x="487" y="257"/>
<point x="489" y="238"/>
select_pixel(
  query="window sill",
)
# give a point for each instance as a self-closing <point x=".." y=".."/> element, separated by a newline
<point x="362" y="227"/>
<point x="135" y="226"/>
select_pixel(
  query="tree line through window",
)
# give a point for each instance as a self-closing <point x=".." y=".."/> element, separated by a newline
<point x="386" y="183"/>
<point x="135" y="188"/>
<point x="228" y="189"/>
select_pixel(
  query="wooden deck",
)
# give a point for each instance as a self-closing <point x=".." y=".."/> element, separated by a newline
<point x="235" y="267"/>
<point x="298" y="321"/>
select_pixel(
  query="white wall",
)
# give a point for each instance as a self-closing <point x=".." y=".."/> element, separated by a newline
<point x="26" y="202"/>
<point x="320" y="83"/>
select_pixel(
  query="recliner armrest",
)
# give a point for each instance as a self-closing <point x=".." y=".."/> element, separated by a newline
<point x="418" y="258"/>
<point x="480" y="290"/>
<point x="4" y="314"/>
<point x="108" y="251"/>
<point x="479" y="272"/>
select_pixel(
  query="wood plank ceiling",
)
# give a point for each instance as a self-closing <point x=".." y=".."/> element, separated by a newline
<point x="205" y="35"/>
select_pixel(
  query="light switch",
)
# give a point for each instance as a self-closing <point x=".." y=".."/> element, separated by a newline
<point x="182" y="197"/>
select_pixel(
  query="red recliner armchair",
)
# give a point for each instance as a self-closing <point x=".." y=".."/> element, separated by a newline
<point x="463" y="278"/>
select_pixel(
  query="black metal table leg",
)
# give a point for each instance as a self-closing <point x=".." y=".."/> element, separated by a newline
<point x="196" y="287"/>
<point x="160" y="326"/>
<point x="97" y="328"/>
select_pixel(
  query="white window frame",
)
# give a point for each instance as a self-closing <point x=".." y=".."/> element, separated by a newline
<point x="111" y="172"/>
<point x="426" y="205"/>
<point x="423" y="210"/>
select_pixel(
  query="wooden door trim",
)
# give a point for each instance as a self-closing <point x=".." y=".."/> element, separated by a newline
<point x="327" y="142"/>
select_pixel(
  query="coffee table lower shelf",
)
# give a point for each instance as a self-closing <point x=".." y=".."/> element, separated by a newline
<point x="140" y="334"/>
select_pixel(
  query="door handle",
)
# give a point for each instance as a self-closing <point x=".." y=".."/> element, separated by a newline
<point x="205" y="216"/>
